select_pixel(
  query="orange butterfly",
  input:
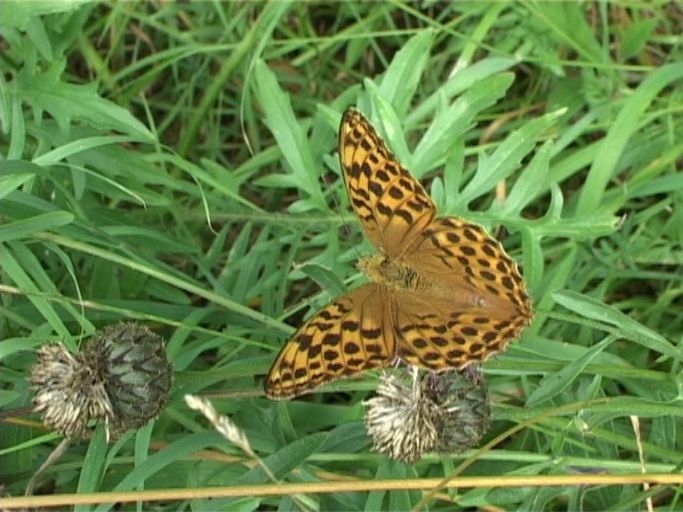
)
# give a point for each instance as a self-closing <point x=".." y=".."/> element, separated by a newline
<point x="443" y="293"/>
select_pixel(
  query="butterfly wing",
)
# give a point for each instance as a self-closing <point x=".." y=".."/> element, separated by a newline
<point x="461" y="255"/>
<point x="480" y="306"/>
<point x="352" y="334"/>
<point x="392" y="206"/>
<point x="430" y="333"/>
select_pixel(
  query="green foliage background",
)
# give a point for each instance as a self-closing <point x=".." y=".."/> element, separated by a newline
<point x="175" y="164"/>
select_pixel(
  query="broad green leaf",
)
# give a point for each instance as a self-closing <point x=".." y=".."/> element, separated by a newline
<point x="625" y="326"/>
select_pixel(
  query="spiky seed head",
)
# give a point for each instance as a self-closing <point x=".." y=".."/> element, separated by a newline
<point x="121" y="377"/>
<point x="400" y="419"/>
<point x="412" y="414"/>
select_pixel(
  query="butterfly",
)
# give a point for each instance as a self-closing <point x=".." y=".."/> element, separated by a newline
<point x="442" y="292"/>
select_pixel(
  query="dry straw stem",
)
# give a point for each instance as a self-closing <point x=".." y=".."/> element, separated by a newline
<point x="63" y="500"/>
<point x="635" y="422"/>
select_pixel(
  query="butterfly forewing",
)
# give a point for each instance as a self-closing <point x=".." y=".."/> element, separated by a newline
<point x="392" y="207"/>
<point x="349" y="335"/>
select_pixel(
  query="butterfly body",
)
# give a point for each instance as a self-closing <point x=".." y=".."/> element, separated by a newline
<point x="393" y="274"/>
<point x="442" y="292"/>
<point x="398" y="275"/>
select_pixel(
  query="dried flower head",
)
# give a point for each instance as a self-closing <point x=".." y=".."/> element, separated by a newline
<point x="69" y="393"/>
<point x="411" y="415"/>
<point x="401" y="420"/>
<point x="122" y="376"/>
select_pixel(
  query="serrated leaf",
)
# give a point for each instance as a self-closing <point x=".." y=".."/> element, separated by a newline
<point x="530" y="182"/>
<point x="68" y="103"/>
<point x="450" y="123"/>
<point x="506" y="157"/>
<point x="290" y="136"/>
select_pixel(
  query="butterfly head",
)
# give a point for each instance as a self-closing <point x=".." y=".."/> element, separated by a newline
<point x="371" y="266"/>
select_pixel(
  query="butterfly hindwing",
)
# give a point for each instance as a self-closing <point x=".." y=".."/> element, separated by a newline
<point x="349" y="335"/>
<point x="436" y="335"/>
<point x="490" y="309"/>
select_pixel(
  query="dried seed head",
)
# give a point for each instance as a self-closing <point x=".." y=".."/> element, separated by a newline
<point x="401" y="419"/>
<point x="411" y="415"/>
<point x="122" y="377"/>
<point x="69" y="393"/>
